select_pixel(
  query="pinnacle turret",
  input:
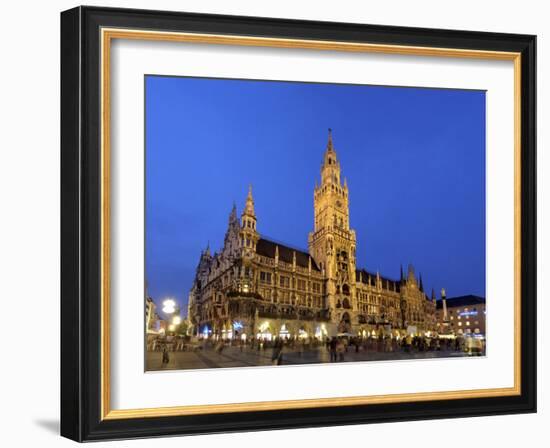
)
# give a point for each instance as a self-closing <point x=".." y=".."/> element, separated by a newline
<point x="233" y="214"/>
<point x="249" y="234"/>
<point x="330" y="146"/>
<point x="410" y="276"/>
<point x="249" y="206"/>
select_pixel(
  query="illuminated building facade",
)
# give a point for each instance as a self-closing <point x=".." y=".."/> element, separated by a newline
<point x="151" y="316"/>
<point x="255" y="287"/>
<point x="462" y="315"/>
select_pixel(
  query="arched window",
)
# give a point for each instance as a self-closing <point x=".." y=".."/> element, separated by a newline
<point x="345" y="289"/>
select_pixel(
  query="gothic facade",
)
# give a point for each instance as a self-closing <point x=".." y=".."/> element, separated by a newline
<point x="255" y="287"/>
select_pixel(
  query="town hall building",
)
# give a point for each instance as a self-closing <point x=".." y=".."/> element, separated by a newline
<point x="259" y="288"/>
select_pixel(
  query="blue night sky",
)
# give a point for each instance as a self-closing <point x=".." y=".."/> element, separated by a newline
<point x="414" y="159"/>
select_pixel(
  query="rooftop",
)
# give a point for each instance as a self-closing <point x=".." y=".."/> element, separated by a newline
<point x="267" y="247"/>
<point x="462" y="301"/>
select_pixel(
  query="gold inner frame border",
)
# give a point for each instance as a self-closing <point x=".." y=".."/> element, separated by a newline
<point x="107" y="35"/>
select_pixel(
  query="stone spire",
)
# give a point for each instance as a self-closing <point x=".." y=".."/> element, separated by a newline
<point x="330" y="146"/>
<point x="249" y="206"/>
<point x="330" y="170"/>
<point x="248" y="233"/>
<point x="410" y="277"/>
<point x="233" y="214"/>
<point x="421" y="285"/>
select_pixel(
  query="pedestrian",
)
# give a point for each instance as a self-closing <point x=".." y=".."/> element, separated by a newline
<point x="281" y="344"/>
<point x="165" y="356"/>
<point x="301" y="348"/>
<point x="277" y="354"/>
<point x="388" y="344"/>
<point x="340" y="349"/>
<point x="408" y="343"/>
<point x="332" y="345"/>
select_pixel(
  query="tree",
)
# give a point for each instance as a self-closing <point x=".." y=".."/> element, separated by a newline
<point x="182" y="328"/>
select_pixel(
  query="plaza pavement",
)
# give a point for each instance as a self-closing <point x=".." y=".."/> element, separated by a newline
<point x="234" y="357"/>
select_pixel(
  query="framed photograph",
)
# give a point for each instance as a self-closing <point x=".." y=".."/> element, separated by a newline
<point x="273" y="223"/>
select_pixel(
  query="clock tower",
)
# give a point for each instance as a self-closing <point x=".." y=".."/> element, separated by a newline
<point x="332" y="243"/>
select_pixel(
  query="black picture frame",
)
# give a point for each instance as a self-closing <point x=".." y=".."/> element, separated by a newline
<point x="81" y="224"/>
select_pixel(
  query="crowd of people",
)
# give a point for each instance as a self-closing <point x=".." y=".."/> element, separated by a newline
<point x="337" y="346"/>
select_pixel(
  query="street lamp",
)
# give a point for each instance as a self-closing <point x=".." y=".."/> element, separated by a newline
<point x="169" y="306"/>
<point x="171" y="309"/>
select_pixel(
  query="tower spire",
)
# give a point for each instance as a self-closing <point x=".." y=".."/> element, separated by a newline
<point x="233" y="214"/>
<point x="330" y="146"/>
<point x="410" y="276"/>
<point x="249" y="207"/>
<point x="330" y="168"/>
<point x="249" y="235"/>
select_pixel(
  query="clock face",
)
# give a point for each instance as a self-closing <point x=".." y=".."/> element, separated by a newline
<point x="338" y="204"/>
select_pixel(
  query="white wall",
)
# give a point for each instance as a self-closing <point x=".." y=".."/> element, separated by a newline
<point x="29" y="224"/>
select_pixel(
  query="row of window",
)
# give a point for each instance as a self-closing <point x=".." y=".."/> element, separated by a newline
<point x="287" y="298"/>
<point x="460" y="317"/>
<point x="371" y="298"/>
<point x="334" y="187"/>
<point x="465" y="323"/>
<point x="247" y="242"/>
<point x="284" y="282"/>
